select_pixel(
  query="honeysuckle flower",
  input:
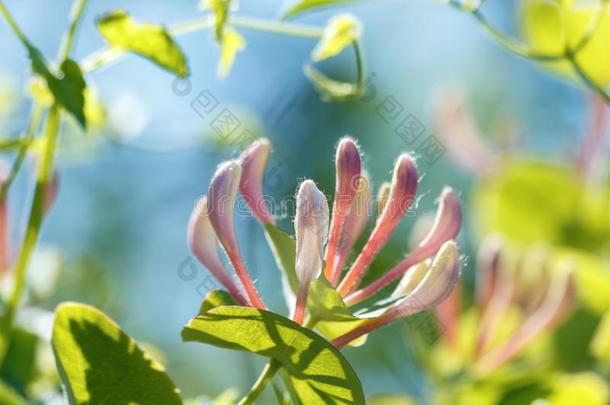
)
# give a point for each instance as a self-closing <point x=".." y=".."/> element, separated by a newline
<point x="348" y="169"/>
<point x="203" y="243"/>
<point x="434" y="285"/>
<point x="311" y="228"/>
<point x="221" y="202"/>
<point x="253" y="162"/>
<point x="446" y="227"/>
<point x="435" y="255"/>
<point x="402" y="192"/>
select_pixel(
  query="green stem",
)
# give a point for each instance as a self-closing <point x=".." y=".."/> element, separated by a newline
<point x="45" y="168"/>
<point x="277" y="27"/>
<point x="77" y="13"/>
<point x="24" y="144"/>
<point x="11" y="22"/>
<point x="267" y="374"/>
<point x="571" y="57"/>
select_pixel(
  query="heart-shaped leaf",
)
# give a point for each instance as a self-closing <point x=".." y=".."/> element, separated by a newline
<point x="99" y="364"/>
<point x="68" y="90"/>
<point x="151" y="41"/>
<point x="316" y="369"/>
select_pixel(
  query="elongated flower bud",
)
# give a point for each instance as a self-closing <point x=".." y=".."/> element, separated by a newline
<point x="253" y="163"/>
<point x="434" y="287"/>
<point x="402" y="192"/>
<point x="355" y="222"/>
<point x="446" y="227"/>
<point x="348" y="169"/>
<point x="311" y="227"/>
<point x="221" y="202"/>
<point x="203" y="243"/>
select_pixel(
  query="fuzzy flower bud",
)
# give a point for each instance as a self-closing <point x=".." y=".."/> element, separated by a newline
<point x="253" y="162"/>
<point x="221" y="202"/>
<point x="402" y="192"/>
<point x="348" y="168"/>
<point x="311" y="227"/>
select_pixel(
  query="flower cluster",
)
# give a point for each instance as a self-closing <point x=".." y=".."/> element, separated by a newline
<point x="325" y="238"/>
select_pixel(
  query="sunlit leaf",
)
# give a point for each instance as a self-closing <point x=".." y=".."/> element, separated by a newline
<point x="68" y="89"/>
<point x="340" y="32"/>
<point x="309" y="5"/>
<point x="98" y="363"/>
<point x="333" y="318"/>
<point x="582" y="388"/>
<point x="548" y="26"/>
<point x="231" y="43"/>
<point x="331" y="89"/>
<point x="317" y="371"/>
<point x="151" y="41"/>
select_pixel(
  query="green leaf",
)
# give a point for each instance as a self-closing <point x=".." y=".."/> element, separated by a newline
<point x="580" y="388"/>
<point x="317" y="371"/>
<point x="150" y="41"/>
<point x="68" y="91"/>
<point x="99" y="364"/>
<point x="308" y="5"/>
<point x="215" y="299"/>
<point x="548" y="26"/>
<point x="331" y="89"/>
<point x="340" y="32"/>
<point x="19" y="366"/>
<point x="231" y="43"/>
<point x="333" y="318"/>
<point x="283" y="247"/>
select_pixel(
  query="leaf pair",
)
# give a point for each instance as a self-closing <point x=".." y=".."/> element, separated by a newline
<point x="98" y="363"/>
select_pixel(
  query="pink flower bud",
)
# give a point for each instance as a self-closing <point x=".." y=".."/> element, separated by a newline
<point x="434" y="287"/>
<point x="253" y="163"/>
<point x="402" y="192"/>
<point x="203" y="243"/>
<point x="311" y="227"/>
<point x="348" y="169"/>
<point x="221" y="203"/>
<point x="446" y="227"/>
<point x="355" y="222"/>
